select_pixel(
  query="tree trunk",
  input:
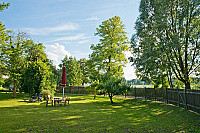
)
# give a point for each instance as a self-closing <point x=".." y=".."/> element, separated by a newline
<point x="15" y="88"/>
<point x="111" y="99"/>
<point x="94" y="96"/>
<point x="187" y="85"/>
<point x="110" y="96"/>
<point x="170" y="79"/>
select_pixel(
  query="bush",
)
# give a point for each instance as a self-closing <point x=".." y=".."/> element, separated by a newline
<point x="46" y="93"/>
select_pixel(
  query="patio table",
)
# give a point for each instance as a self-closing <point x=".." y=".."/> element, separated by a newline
<point x="58" y="100"/>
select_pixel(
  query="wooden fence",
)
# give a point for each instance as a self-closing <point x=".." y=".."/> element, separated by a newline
<point x="189" y="99"/>
<point x="73" y="90"/>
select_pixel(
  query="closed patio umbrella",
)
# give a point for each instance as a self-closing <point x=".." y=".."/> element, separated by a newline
<point x="63" y="79"/>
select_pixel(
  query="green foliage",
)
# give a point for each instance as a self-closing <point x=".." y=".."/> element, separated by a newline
<point x="125" y="88"/>
<point x="108" y="55"/>
<point x="84" y="70"/>
<point x="7" y="82"/>
<point x="93" y="88"/>
<point x="167" y="39"/>
<point x="3" y="6"/>
<point x="113" y="86"/>
<point x="160" y="81"/>
<point x="73" y="71"/>
<point x="46" y="93"/>
<point x="13" y="53"/>
<point x="37" y="73"/>
<point x="3" y="39"/>
<point x="27" y="65"/>
<point x="136" y="82"/>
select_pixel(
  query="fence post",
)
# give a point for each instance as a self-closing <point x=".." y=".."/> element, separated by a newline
<point x="178" y="97"/>
<point x="166" y="95"/>
<point x="135" y="92"/>
<point x="78" y="90"/>
<point x="186" y="99"/>
<point x="145" y="93"/>
<point x="155" y="92"/>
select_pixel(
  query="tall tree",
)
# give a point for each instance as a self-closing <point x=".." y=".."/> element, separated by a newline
<point x="108" y="55"/>
<point x="108" y="58"/>
<point x="3" y="43"/>
<point x="3" y="40"/>
<point x="73" y="71"/>
<point x="168" y="34"/>
<point x="37" y="73"/>
<point x="84" y="70"/>
<point x="14" y="54"/>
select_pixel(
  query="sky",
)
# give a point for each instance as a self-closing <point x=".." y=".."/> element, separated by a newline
<point x="67" y="27"/>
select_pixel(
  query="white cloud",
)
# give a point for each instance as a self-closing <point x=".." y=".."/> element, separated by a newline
<point x="48" y="30"/>
<point x="71" y="38"/>
<point x="56" y="52"/>
<point x="92" y="18"/>
<point x="83" y="41"/>
<point x="58" y="13"/>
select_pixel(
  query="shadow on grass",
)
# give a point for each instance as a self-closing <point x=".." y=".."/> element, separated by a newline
<point x="87" y="115"/>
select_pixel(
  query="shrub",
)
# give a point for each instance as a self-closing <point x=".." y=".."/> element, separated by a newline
<point x="46" y="93"/>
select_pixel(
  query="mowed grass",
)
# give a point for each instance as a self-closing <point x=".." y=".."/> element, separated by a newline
<point x="84" y="114"/>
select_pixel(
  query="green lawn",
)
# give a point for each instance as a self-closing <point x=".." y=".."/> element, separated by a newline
<point x="87" y="115"/>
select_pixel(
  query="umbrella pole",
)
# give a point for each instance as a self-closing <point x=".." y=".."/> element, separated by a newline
<point x="63" y="92"/>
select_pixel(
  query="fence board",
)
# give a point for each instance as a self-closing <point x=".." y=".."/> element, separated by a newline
<point x="190" y="99"/>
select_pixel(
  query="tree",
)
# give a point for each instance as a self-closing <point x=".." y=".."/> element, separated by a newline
<point x="37" y="73"/>
<point x="167" y="38"/>
<point x="84" y="70"/>
<point x="14" y="57"/>
<point x="108" y="59"/>
<point x="93" y="88"/>
<point x="108" y="55"/>
<point x="3" y="39"/>
<point x="73" y="71"/>
<point x="113" y="86"/>
<point x="125" y="88"/>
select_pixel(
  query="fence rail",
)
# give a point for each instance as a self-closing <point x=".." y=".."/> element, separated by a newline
<point x="189" y="99"/>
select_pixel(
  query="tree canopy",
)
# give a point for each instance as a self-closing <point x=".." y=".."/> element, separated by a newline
<point x="74" y="74"/>
<point x="167" y="39"/>
<point x="108" y="55"/>
<point x="108" y="58"/>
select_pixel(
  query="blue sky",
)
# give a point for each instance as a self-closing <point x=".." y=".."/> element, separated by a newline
<point x="68" y="26"/>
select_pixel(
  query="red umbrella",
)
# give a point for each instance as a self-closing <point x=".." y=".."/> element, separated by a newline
<point x="63" y="79"/>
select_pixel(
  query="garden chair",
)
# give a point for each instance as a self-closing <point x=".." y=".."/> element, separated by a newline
<point x="40" y="97"/>
<point x="33" y="98"/>
<point x="65" y="100"/>
<point x="49" y="101"/>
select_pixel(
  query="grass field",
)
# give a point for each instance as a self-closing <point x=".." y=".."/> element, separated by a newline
<point x="87" y="115"/>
